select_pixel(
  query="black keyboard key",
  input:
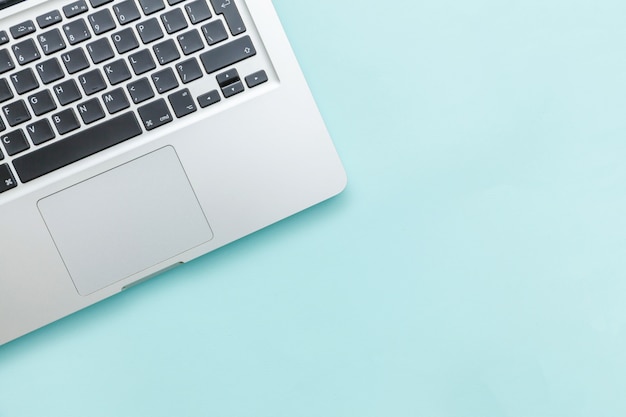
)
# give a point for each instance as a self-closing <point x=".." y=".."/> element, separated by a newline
<point x="190" y="42"/>
<point x="90" y="111"/>
<point x="155" y="114"/>
<point x="208" y="99"/>
<point x="228" y="54"/>
<point x="26" y="51"/>
<point x="6" y="62"/>
<point x="75" y="8"/>
<point x="16" y="113"/>
<point x="67" y="92"/>
<point x="115" y="100"/>
<point x="7" y="181"/>
<point x="51" y="41"/>
<point x="151" y="6"/>
<point x="231" y="14"/>
<point x="76" y="31"/>
<point x="100" y="50"/>
<point x="42" y="102"/>
<point x="125" y="40"/>
<point x="198" y="11"/>
<point x="182" y="103"/>
<point x="24" y="81"/>
<point x="142" y="62"/>
<point x="101" y="21"/>
<point x="126" y="12"/>
<point x="40" y="131"/>
<point x="22" y="29"/>
<point x="140" y="90"/>
<point x="174" y="20"/>
<point x="164" y="80"/>
<point x="189" y="70"/>
<point x="76" y="147"/>
<point x="227" y="78"/>
<point x="4" y="38"/>
<point x="65" y="121"/>
<point x="49" y="19"/>
<point x="166" y="52"/>
<point x="75" y="60"/>
<point x="92" y="82"/>
<point x="49" y="71"/>
<point x="14" y="142"/>
<point x="117" y="71"/>
<point x="173" y="2"/>
<point x="256" y="79"/>
<point x="98" y="3"/>
<point x="5" y="90"/>
<point x="233" y="89"/>
<point x="214" y="32"/>
<point x="149" y="31"/>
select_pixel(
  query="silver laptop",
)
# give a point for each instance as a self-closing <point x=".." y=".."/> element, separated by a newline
<point x="136" y="135"/>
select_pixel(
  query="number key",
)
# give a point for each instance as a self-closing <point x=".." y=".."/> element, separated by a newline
<point x="51" y="41"/>
<point x="76" y="31"/>
<point x="26" y="51"/>
<point x="101" y="21"/>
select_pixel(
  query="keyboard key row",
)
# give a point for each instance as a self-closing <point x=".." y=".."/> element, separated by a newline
<point x="103" y="135"/>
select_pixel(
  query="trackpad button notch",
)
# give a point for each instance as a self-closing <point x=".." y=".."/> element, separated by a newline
<point x="125" y="220"/>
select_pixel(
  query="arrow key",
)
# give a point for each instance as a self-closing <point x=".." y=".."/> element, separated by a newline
<point x="256" y="79"/>
<point x="182" y="103"/>
<point x="233" y="89"/>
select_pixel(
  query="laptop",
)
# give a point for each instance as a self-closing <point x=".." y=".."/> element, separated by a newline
<point x="137" y="135"/>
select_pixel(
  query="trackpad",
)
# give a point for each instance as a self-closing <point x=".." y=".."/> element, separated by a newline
<point x="125" y="220"/>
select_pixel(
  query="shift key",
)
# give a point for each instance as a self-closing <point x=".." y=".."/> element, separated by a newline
<point x="228" y="54"/>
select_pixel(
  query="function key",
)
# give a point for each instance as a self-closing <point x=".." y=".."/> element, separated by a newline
<point x="22" y="29"/>
<point x="49" y="19"/>
<point x="75" y="8"/>
<point x="4" y="37"/>
<point x="98" y="3"/>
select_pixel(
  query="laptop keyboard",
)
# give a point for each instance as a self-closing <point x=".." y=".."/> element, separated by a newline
<point x="91" y="75"/>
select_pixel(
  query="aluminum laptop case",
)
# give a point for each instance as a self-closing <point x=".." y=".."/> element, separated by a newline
<point x="86" y="211"/>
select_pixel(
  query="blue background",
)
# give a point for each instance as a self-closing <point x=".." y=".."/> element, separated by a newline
<point x="474" y="267"/>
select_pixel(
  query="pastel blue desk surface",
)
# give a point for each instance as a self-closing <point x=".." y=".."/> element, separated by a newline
<point x="475" y="267"/>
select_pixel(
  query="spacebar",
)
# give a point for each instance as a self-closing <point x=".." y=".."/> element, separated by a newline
<point x="76" y="147"/>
